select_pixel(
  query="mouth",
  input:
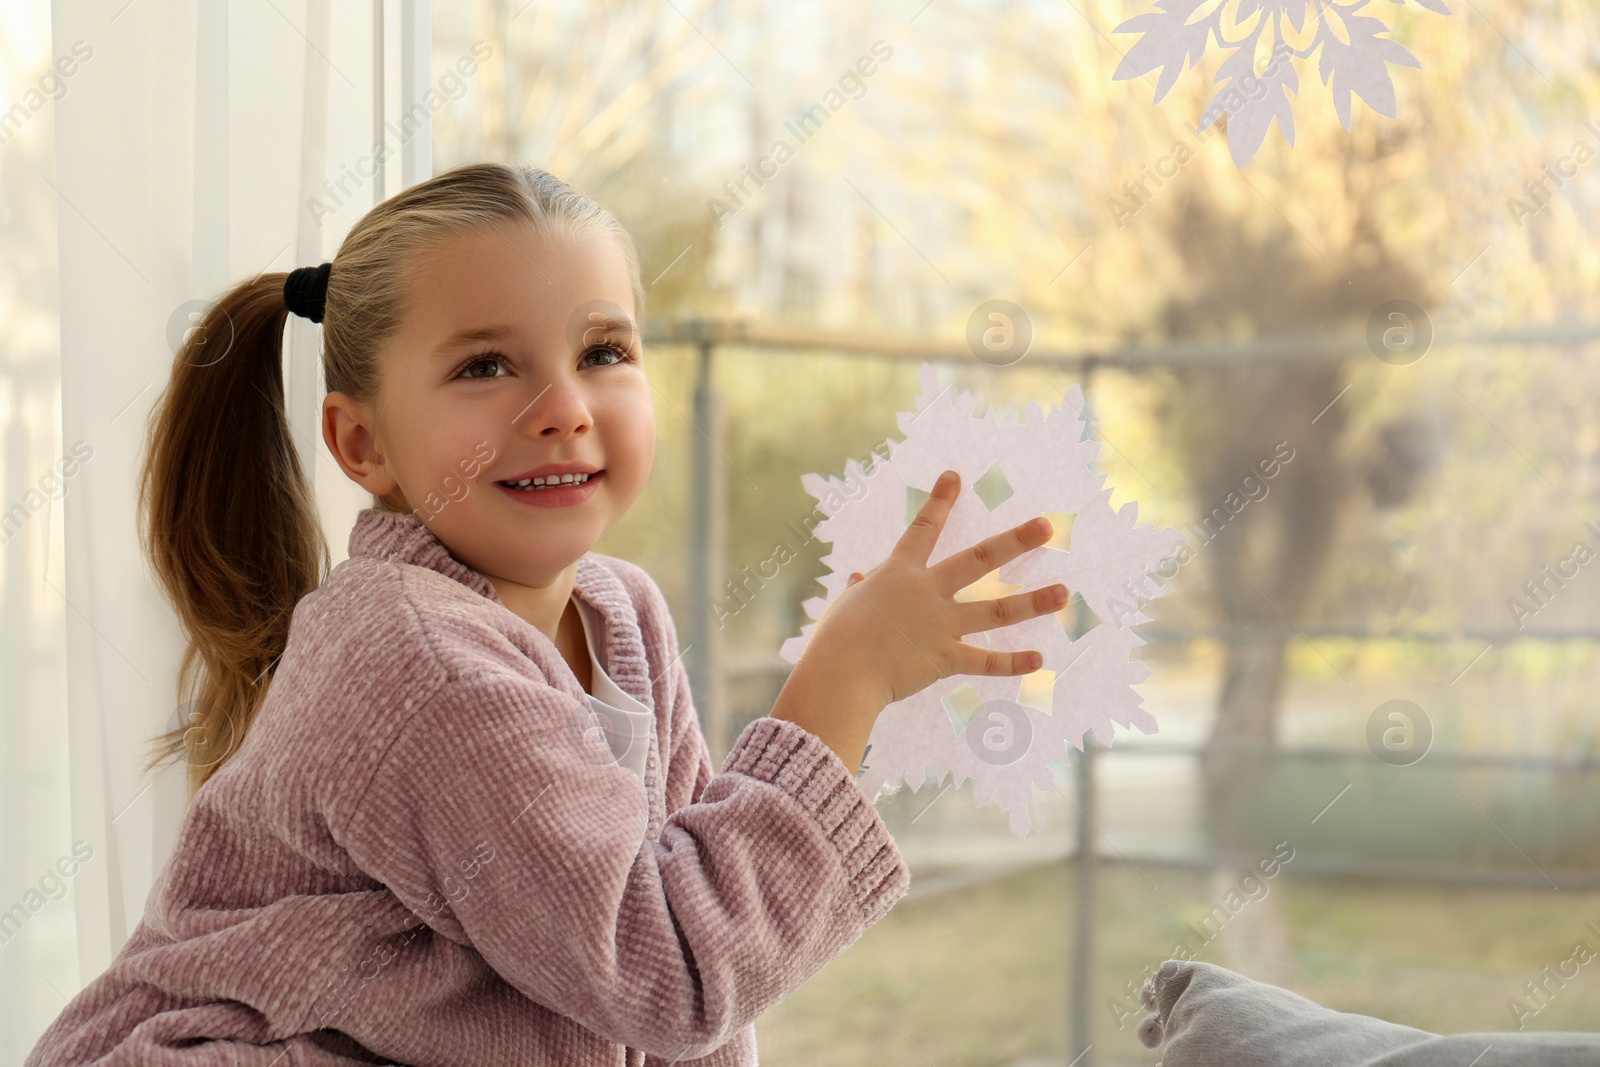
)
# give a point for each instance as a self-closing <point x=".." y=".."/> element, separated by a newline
<point x="553" y="483"/>
<point x="558" y="491"/>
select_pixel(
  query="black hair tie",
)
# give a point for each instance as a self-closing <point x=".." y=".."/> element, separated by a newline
<point x="305" y="291"/>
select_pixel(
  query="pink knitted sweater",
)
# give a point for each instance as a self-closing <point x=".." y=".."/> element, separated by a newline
<point x="423" y="853"/>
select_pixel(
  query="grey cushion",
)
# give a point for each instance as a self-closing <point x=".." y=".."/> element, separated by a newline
<point x="1208" y="1016"/>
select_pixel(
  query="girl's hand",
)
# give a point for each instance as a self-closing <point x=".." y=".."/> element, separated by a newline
<point x="900" y="630"/>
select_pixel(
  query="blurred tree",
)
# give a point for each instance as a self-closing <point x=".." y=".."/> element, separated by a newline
<point x="1267" y="562"/>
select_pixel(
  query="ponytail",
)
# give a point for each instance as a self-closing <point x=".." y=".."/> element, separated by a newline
<point x="227" y="520"/>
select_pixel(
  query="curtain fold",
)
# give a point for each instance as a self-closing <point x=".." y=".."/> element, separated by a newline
<point x="192" y="145"/>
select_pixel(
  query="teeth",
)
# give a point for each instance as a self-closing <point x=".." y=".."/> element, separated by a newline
<point x="539" y="483"/>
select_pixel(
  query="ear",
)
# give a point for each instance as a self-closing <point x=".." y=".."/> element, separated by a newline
<point x="347" y="430"/>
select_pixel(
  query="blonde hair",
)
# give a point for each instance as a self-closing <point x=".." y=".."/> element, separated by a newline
<point x="228" y="519"/>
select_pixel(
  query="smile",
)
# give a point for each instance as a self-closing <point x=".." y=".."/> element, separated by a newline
<point x="555" y="492"/>
<point x="551" y="482"/>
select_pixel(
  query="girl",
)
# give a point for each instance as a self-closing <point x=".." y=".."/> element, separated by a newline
<point x="452" y="804"/>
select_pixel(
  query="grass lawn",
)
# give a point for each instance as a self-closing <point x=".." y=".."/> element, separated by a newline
<point x="978" y="976"/>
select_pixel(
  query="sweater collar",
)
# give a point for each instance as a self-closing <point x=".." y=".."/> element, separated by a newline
<point x="403" y="538"/>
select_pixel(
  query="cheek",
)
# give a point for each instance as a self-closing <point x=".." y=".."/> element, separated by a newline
<point x="647" y="429"/>
<point x="446" y="459"/>
<point x="635" y="442"/>
<point x="637" y="421"/>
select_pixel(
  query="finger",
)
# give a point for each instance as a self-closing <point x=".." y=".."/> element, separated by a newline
<point x="978" y="615"/>
<point x="855" y="576"/>
<point x="961" y="569"/>
<point x="970" y="659"/>
<point x="923" y="533"/>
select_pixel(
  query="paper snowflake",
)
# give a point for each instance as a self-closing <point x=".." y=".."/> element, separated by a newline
<point x="1010" y="472"/>
<point x="1354" y="55"/>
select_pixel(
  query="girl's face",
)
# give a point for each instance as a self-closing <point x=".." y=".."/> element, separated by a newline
<point x="554" y="375"/>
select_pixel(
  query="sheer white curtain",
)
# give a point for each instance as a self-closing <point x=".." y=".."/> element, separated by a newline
<point x="195" y="144"/>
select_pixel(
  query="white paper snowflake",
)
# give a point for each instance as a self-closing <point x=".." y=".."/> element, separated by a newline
<point x="1010" y="472"/>
<point x="1354" y="55"/>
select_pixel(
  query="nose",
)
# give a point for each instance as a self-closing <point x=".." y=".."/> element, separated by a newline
<point x="558" y="408"/>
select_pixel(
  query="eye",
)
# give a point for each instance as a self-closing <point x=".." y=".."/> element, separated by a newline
<point x="623" y="355"/>
<point x="493" y="358"/>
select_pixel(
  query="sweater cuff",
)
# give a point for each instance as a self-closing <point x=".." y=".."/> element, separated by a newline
<point x="787" y="755"/>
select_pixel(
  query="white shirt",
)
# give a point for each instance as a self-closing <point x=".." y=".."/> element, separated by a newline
<point x="628" y="724"/>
